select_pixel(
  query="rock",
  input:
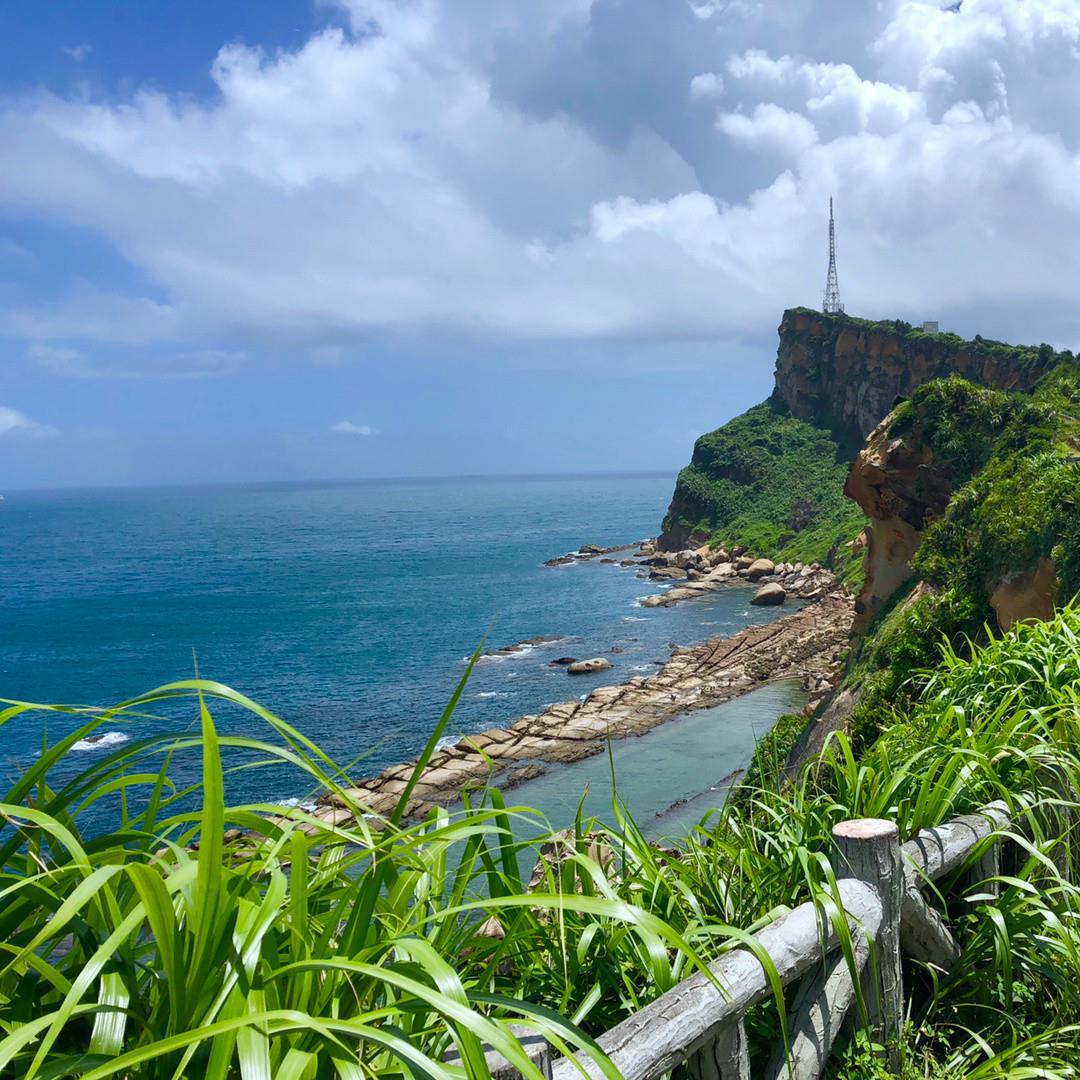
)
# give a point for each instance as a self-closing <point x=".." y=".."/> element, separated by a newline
<point x="525" y="772"/>
<point x="759" y="568"/>
<point x="768" y="595"/>
<point x="743" y="562"/>
<point x="648" y="548"/>
<point x="591" y="549"/>
<point x="563" y="661"/>
<point x="627" y="562"/>
<point x="607" y="560"/>
<point x="586" y="667"/>
<point x="738" y="549"/>
<point x="661" y="573"/>
<point x="562" y="560"/>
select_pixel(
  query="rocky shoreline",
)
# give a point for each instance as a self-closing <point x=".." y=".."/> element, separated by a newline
<point x="806" y="644"/>
<point x="701" y="570"/>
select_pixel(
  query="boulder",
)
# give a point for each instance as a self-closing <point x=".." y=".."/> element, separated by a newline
<point x="743" y="562"/>
<point x="759" y="568"/>
<point x="769" y="595"/>
<point x="660" y="573"/>
<point x="591" y="549"/>
<point x="564" y="661"/>
<point x="586" y="667"/>
<point x="739" y="549"/>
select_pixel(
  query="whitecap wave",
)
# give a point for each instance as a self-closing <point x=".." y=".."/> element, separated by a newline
<point x="303" y="804"/>
<point x="488" y="695"/>
<point x="446" y="742"/>
<point x="100" y="742"/>
<point x="635" y="618"/>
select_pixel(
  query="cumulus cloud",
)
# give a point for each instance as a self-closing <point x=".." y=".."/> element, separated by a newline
<point x="13" y="422"/>
<point x="347" y="427"/>
<point x="572" y="169"/>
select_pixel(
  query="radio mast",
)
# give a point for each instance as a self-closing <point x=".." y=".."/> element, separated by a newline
<point x="831" y="304"/>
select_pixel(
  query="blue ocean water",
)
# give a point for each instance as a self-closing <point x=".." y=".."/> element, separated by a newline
<point x="346" y="608"/>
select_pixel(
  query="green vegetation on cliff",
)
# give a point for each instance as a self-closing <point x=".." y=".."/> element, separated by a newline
<point x="770" y="482"/>
<point x="1015" y="469"/>
<point x="772" y="479"/>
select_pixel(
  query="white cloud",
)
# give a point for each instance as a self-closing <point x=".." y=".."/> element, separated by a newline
<point x="555" y="170"/>
<point x="706" y="85"/>
<point x="770" y="128"/>
<point x="13" y="422"/>
<point x="80" y="52"/>
<point x="347" y="427"/>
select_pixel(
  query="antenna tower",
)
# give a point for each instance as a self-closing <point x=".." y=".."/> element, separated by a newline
<point x="831" y="304"/>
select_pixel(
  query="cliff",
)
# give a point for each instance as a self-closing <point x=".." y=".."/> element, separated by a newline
<point x="772" y="478"/>
<point x="973" y="501"/>
<point x="847" y="374"/>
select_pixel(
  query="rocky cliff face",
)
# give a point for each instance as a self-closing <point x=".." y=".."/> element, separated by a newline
<point x="771" y="478"/>
<point x="901" y="489"/>
<point x="847" y="374"/>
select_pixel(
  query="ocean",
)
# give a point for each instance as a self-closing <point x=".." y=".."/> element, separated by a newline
<point x="347" y="608"/>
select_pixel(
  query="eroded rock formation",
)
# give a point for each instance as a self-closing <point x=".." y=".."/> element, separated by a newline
<point x="901" y="490"/>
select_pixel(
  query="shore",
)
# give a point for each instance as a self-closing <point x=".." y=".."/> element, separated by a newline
<point x="806" y="644"/>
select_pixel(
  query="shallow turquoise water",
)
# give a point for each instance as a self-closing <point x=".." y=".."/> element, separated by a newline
<point x="346" y="608"/>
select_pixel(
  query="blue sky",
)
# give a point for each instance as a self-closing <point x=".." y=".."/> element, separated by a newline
<point x="298" y="240"/>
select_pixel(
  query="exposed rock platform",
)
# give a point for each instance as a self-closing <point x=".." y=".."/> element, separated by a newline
<point x="806" y="644"/>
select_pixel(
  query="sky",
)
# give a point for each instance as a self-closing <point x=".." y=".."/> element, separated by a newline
<point x="285" y="239"/>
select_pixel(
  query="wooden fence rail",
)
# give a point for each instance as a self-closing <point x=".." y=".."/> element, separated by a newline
<point x="880" y="891"/>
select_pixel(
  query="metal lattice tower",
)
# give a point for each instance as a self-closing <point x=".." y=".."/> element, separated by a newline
<point x="831" y="304"/>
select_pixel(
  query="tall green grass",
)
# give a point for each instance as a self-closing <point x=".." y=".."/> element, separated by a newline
<point x="168" y="945"/>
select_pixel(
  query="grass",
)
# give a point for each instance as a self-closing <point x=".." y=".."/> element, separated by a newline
<point x="773" y="483"/>
<point x="166" y="946"/>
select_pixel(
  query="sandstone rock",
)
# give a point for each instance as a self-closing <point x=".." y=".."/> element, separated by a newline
<point x="768" y="595"/>
<point x="759" y="568"/>
<point x="666" y="573"/>
<point x="743" y="562"/>
<point x="586" y="667"/>
<point x="1030" y="594"/>
<point x="591" y="549"/>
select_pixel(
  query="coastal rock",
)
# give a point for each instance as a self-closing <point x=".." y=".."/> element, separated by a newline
<point x="743" y="562"/>
<point x="759" y="568"/>
<point x="666" y="573"/>
<point x="592" y="549"/>
<point x="586" y="667"/>
<point x="768" y="595"/>
<point x="805" y="644"/>
<point x="562" y="661"/>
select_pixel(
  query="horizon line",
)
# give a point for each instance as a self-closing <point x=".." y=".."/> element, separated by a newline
<point x="345" y="481"/>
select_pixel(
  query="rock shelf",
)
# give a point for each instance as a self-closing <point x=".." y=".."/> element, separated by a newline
<point x="806" y="644"/>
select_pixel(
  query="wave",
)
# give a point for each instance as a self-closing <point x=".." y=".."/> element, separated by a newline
<point x="487" y="695"/>
<point x="303" y="804"/>
<point x="635" y="618"/>
<point x="100" y="742"/>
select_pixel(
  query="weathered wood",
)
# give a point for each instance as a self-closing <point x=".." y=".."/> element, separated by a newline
<point x="536" y="1049"/>
<point x="671" y="1029"/>
<point x="817" y="1016"/>
<point x="868" y="849"/>
<point x="727" y="1057"/>
<point x="923" y="933"/>
<point x="933" y="853"/>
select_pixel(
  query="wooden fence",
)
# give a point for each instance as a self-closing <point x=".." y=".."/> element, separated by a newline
<point x="880" y="892"/>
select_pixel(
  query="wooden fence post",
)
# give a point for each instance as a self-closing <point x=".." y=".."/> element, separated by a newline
<point x="535" y="1046"/>
<point x="727" y="1057"/>
<point x="868" y="849"/>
